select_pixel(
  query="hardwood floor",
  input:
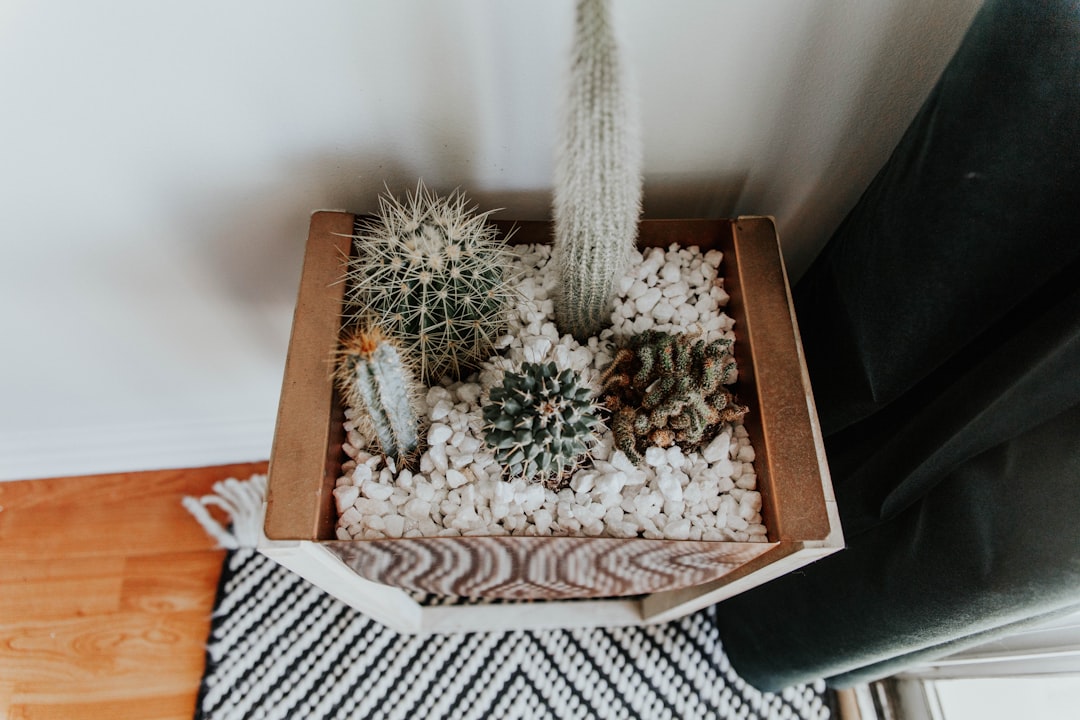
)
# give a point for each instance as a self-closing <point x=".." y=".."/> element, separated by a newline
<point x="106" y="589"/>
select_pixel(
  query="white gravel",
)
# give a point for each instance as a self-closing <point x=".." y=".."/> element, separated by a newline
<point x="458" y="490"/>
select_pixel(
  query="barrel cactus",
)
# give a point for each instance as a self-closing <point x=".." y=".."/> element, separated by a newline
<point x="598" y="177"/>
<point x="433" y="273"/>
<point x="541" y="423"/>
<point x="374" y="379"/>
<point x="666" y="389"/>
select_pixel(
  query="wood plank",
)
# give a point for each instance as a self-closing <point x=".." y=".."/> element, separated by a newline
<point x="299" y="503"/>
<point x="106" y="589"/>
<point x="189" y="584"/>
<point x="111" y="515"/>
<point x="153" y="708"/>
<point x="104" y="657"/>
<point x="49" y="588"/>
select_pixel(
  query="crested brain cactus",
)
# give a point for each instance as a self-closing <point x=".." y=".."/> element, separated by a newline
<point x="375" y="380"/>
<point x="598" y="177"/>
<point x="665" y="389"/>
<point x="540" y="422"/>
<point x="432" y="272"/>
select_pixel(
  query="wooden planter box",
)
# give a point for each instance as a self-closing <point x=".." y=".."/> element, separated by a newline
<point x="569" y="582"/>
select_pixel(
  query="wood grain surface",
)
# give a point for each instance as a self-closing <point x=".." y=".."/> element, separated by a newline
<point x="106" y="590"/>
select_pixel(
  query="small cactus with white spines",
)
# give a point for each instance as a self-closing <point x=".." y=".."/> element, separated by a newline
<point x="433" y="273"/>
<point x="598" y="177"/>
<point x="374" y="379"/>
<point x="541" y="423"/>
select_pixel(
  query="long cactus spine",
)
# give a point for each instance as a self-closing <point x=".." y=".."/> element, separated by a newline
<point x="373" y="378"/>
<point x="435" y="275"/>
<point x="598" y="177"/>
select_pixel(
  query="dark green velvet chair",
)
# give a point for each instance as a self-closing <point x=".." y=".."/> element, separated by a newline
<point x="942" y="332"/>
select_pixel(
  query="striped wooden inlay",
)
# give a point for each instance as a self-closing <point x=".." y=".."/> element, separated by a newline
<point x="542" y="568"/>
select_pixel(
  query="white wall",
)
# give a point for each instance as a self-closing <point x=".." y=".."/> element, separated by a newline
<point x="159" y="160"/>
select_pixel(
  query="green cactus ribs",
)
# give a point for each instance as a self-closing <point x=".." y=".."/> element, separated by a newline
<point x="665" y="389"/>
<point x="432" y="272"/>
<point x="541" y="423"/>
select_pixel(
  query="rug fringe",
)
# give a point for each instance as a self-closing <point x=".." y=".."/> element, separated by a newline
<point x="243" y="501"/>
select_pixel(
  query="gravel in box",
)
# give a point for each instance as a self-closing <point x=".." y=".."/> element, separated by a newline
<point x="459" y="489"/>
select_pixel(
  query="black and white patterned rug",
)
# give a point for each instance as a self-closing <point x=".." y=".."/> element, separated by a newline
<point x="281" y="648"/>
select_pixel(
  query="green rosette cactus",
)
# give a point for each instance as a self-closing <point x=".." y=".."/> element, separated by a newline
<point x="598" y="177"/>
<point x="375" y="380"/>
<point x="433" y="273"/>
<point x="666" y="389"/>
<point x="541" y="423"/>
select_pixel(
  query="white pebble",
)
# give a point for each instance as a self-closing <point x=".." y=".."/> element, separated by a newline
<point x="582" y="482"/>
<point x="670" y="273"/>
<point x="687" y="314"/>
<point x="469" y="393"/>
<point x="532" y="498"/>
<point x="656" y="456"/>
<point x="345" y="496"/>
<point x="368" y="506"/>
<point x="647" y="301"/>
<point x="746" y="481"/>
<point x="438" y="434"/>
<point x="677" y="530"/>
<point x="377" y="491"/>
<point x="417" y="509"/>
<point x="395" y="526"/>
<point x="663" y="312"/>
<point x="437" y="393"/>
<point x="542" y="519"/>
<point x="351" y="516"/>
<point x="455" y="478"/>
<point x="717" y="448"/>
<point x="424" y="491"/>
<point x="675" y="457"/>
<point x="750" y="504"/>
<point x="610" y="484"/>
<point x="436" y="454"/>
<point x="648" y="504"/>
<point x="669" y="487"/>
<point x="441" y="409"/>
<point x="736" y="523"/>
<point x="619" y="461"/>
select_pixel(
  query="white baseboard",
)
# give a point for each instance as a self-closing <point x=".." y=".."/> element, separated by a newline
<point x="62" y="452"/>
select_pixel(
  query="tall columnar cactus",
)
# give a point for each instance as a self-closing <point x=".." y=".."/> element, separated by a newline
<point x="598" y="177"/>
<point x="540" y="422"/>
<point x="665" y="389"/>
<point x="433" y="273"/>
<point x="374" y="379"/>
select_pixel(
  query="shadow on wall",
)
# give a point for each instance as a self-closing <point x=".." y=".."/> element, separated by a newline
<point x="670" y="195"/>
<point x="248" y="241"/>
